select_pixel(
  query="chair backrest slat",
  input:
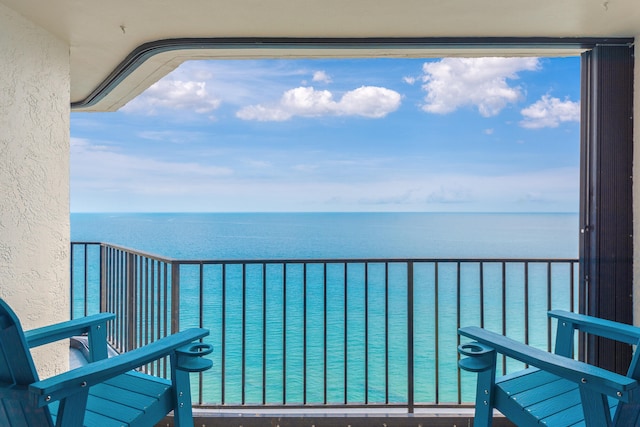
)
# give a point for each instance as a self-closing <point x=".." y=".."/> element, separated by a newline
<point x="19" y="367"/>
<point x="17" y="371"/>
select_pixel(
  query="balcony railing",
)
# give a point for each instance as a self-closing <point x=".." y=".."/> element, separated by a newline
<point x="328" y="333"/>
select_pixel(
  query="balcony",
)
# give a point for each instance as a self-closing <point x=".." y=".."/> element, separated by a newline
<point x="301" y="342"/>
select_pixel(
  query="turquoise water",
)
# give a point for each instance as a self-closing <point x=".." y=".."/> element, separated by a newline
<point x="251" y="236"/>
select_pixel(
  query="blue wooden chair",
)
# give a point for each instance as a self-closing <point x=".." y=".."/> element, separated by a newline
<point x="105" y="392"/>
<point x="555" y="389"/>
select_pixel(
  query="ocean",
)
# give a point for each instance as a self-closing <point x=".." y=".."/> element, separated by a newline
<point x="335" y="235"/>
<point x="294" y="236"/>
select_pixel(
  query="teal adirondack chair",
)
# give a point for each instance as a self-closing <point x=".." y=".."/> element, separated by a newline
<point x="555" y="390"/>
<point x="105" y="392"/>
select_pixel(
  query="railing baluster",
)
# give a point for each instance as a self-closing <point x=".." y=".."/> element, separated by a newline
<point x="481" y="294"/>
<point x="526" y="302"/>
<point x="138" y="282"/>
<point x="86" y="281"/>
<point x="324" y="332"/>
<point x="130" y="283"/>
<point x="146" y="299"/>
<point x="366" y="333"/>
<point x="223" y="330"/>
<point x="346" y="335"/>
<point x="284" y="334"/>
<point x="386" y="333"/>
<point x="410" y="346"/>
<point x="244" y="334"/>
<point x="504" y="311"/>
<point x="175" y="297"/>
<point x="155" y="269"/>
<point x="165" y="309"/>
<point x="117" y="298"/>
<point x="103" y="280"/>
<point x="549" y="305"/>
<point x="71" y="284"/>
<point x="113" y="279"/>
<point x="111" y="302"/>
<point x="122" y="301"/>
<point x="572" y="287"/>
<point x="201" y="325"/>
<point x="458" y="303"/>
<point x="436" y="334"/>
<point x="304" y="333"/>
<point x="264" y="333"/>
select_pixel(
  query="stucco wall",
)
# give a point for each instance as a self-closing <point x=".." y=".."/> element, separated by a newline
<point x="34" y="178"/>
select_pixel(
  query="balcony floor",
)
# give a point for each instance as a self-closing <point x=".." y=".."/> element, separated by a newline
<point x="436" y="417"/>
<point x="433" y="417"/>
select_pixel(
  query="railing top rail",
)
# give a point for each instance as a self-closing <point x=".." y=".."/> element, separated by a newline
<point x="330" y="260"/>
<point x="379" y="260"/>
<point x="129" y="250"/>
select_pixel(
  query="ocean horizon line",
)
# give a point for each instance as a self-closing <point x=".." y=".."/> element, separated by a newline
<point x="250" y="235"/>
<point x="331" y="212"/>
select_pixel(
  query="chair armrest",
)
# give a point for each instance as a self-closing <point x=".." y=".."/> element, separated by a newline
<point x="68" y="329"/>
<point x="604" y="328"/>
<point x="586" y="375"/>
<point x="68" y="383"/>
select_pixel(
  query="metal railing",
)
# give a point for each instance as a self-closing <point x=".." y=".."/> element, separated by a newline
<point x="323" y="332"/>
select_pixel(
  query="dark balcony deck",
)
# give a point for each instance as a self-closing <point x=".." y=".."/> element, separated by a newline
<point x="205" y="417"/>
<point x="324" y="342"/>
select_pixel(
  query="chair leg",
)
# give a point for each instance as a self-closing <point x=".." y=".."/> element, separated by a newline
<point x="596" y="408"/>
<point x="185" y="360"/>
<point x="484" y="398"/>
<point x="481" y="359"/>
<point x="182" y="413"/>
<point x="72" y="409"/>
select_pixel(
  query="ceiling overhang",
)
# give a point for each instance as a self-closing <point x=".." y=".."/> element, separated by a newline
<point x="151" y="61"/>
<point x="160" y="34"/>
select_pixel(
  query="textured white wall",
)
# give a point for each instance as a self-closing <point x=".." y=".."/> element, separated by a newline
<point x="34" y="178"/>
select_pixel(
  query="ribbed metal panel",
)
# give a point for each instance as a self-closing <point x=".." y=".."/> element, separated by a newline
<point x="606" y="195"/>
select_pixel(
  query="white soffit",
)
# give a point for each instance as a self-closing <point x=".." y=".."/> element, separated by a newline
<point x="159" y="65"/>
<point x="101" y="34"/>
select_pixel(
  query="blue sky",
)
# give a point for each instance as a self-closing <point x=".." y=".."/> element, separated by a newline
<point x="419" y="135"/>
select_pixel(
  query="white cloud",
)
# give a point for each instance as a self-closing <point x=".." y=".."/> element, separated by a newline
<point x="546" y="190"/>
<point x="105" y="168"/>
<point x="104" y="178"/>
<point x="306" y="101"/>
<point x="366" y="101"/>
<point x="321" y="76"/>
<point x="448" y="194"/>
<point x="393" y="199"/>
<point x="452" y="83"/>
<point x="369" y="101"/>
<point x="263" y="114"/>
<point x="305" y="168"/>
<point x="550" y="112"/>
<point x="173" y="136"/>
<point x="175" y="95"/>
<point x="409" y="80"/>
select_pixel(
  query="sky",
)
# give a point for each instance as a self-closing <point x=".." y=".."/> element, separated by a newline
<point x="338" y="135"/>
